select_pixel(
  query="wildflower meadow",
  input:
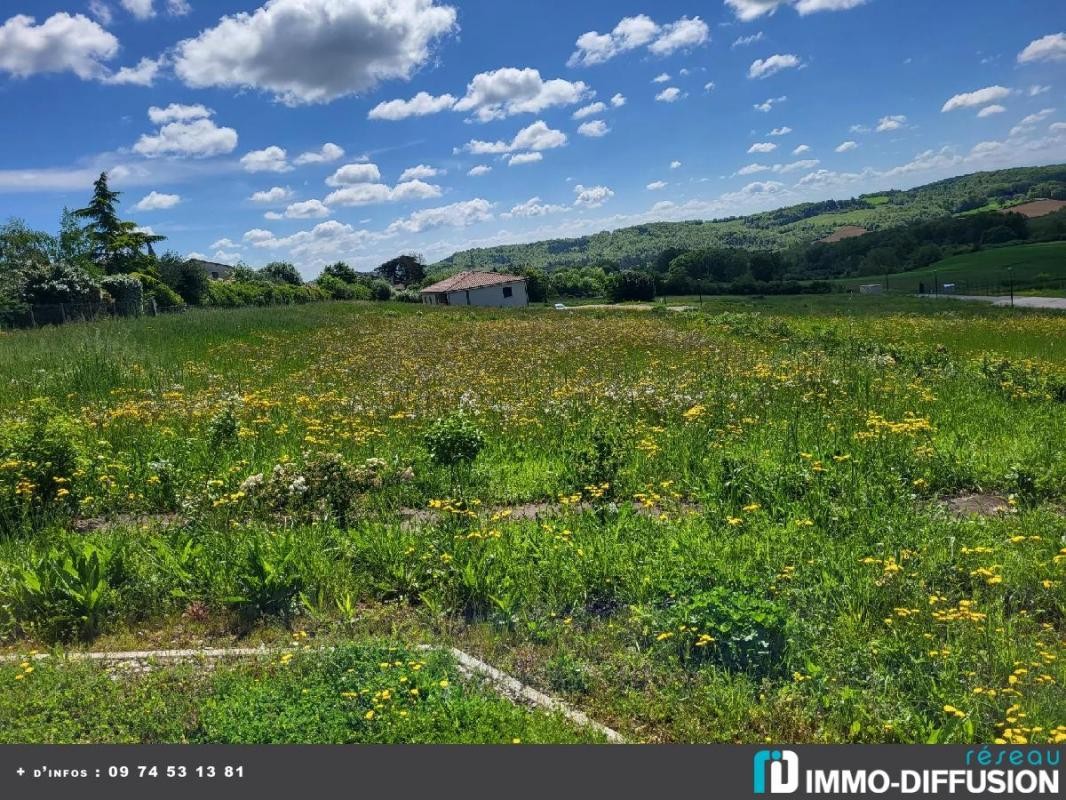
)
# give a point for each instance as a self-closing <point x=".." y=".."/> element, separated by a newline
<point x="836" y="519"/>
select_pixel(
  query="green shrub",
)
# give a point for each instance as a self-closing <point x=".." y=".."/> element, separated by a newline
<point x="127" y="292"/>
<point x="40" y="461"/>
<point x="269" y="581"/>
<point x="65" y="592"/>
<point x="454" y="441"/>
<point x="155" y="289"/>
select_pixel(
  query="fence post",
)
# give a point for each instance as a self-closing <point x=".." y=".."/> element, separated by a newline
<point x="33" y="318"/>
<point x="155" y="308"/>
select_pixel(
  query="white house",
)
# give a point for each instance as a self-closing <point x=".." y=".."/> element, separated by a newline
<point x="486" y="289"/>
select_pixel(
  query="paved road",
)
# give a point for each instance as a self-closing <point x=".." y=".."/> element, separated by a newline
<point x="1057" y="303"/>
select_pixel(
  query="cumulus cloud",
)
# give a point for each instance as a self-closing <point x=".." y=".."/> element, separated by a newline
<point x="269" y="159"/>
<point x="592" y="196"/>
<point x="62" y="43"/>
<point x="1049" y="48"/>
<point x="670" y="95"/>
<point x="308" y="209"/>
<point x="141" y="9"/>
<point x="590" y="110"/>
<point x="594" y="129"/>
<point x="845" y="147"/>
<point x="675" y="165"/>
<point x="991" y="110"/>
<point x="762" y="147"/>
<point x="479" y="170"/>
<point x="632" y="33"/>
<point x="365" y="194"/>
<point x="420" y="172"/>
<point x="768" y="106"/>
<point x="154" y="201"/>
<point x="803" y="148"/>
<point x="278" y="194"/>
<point x="1031" y="121"/>
<point x="663" y="77"/>
<point x="981" y="97"/>
<point x="618" y="100"/>
<point x="656" y="186"/>
<point x="763" y="68"/>
<point x="743" y="41"/>
<point x="748" y="10"/>
<point x="143" y="74"/>
<point x="891" y="123"/>
<point x="329" y="152"/>
<point x="315" y="51"/>
<point x="508" y="91"/>
<point x="533" y="207"/>
<point x="355" y="173"/>
<point x="538" y="136"/>
<point x="782" y="131"/>
<point x="421" y="105"/>
<point x="186" y="131"/>
<point x="456" y="215"/>
<point x="518" y="159"/>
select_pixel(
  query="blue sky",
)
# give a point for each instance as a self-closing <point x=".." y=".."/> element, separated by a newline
<point x="318" y="130"/>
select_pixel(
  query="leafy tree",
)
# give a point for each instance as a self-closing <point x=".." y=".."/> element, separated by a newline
<point x="116" y="245"/>
<point x="187" y="279"/>
<point x="342" y="272"/>
<point x="21" y="246"/>
<point x="282" y="272"/>
<point x="536" y="284"/>
<point x="403" y="271"/>
<point x="632" y="285"/>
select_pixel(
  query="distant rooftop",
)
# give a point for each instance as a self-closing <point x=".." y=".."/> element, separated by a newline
<point x="471" y="280"/>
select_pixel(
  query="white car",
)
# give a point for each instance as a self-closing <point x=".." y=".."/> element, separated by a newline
<point x="560" y="307"/>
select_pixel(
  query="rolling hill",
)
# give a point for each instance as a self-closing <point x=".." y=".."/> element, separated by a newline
<point x="641" y="245"/>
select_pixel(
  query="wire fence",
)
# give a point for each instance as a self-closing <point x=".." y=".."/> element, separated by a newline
<point x="37" y="316"/>
<point x="901" y="284"/>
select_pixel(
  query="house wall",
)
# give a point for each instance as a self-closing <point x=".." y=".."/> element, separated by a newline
<point x="486" y="297"/>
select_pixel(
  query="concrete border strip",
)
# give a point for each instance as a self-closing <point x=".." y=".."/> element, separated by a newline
<point x="503" y="684"/>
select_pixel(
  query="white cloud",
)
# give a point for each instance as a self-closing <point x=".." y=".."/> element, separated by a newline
<point x="309" y="209"/>
<point x="154" y="201"/>
<point x="768" y="106"/>
<point x="144" y="74"/>
<point x="709" y="86"/>
<point x="1049" y="48"/>
<point x="748" y="10"/>
<point x="62" y="43"/>
<point x="589" y="110"/>
<point x="746" y="40"/>
<point x="594" y="129"/>
<point x="663" y="77"/>
<point x="847" y="147"/>
<point x="618" y="100"/>
<point x="141" y="9"/>
<point x="509" y="91"/>
<point x="762" y="147"/>
<point x="656" y="186"/>
<point x="1031" y="121"/>
<point x="1036" y="90"/>
<point x="456" y="215"/>
<point x="328" y="153"/>
<point x="101" y="10"/>
<point x="632" y="33"/>
<point x="189" y="131"/>
<point x="782" y="131"/>
<point x="781" y="169"/>
<point x="354" y="173"/>
<point x="989" y="111"/>
<point x="538" y="136"/>
<point x="765" y="67"/>
<point x="592" y="196"/>
<point x="422" y="104"/>
<point x="981" y="97"/>
<point x="225" y="244"/>
<point x="178" y="8"/>
<point x="891" y="123"/>
<point x="419" y="172"/>
<point x="479" y="170"/>
<point x="269" y="159"/>
<point x="365" y="194"/>
<point x="278" y="194"/>
<point x="315" y="51"/>
<point x="803" y="148"/>
<point x="670" y="95"/>
<point x="752" y="169"/>
<point x="675" y="165"/>
<point x="534" y="208"/>
<point x="684" y="34"/>
<point x="518" y="159"/>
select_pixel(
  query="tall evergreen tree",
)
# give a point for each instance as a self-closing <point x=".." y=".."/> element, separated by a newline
<point x="117" y="245"/>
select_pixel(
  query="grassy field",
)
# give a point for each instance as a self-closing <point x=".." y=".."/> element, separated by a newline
<point x="992" y="269"/>
<point x="723" y="525"/>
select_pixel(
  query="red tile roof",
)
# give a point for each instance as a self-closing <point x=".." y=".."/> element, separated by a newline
<point x="471" y="280"/>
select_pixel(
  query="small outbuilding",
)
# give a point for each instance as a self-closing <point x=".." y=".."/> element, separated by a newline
<point x="485" y="289"/>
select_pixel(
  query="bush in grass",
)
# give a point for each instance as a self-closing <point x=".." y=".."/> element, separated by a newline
<point x="48" y="284"/>
<point x="454" y="442"/>
<point x="336" y="288"/>
<point x="739" y="630"/>
<point x="224" y="428"/>
<point x="269" y="580"/>
<point x="65" y="592"/>
<point x="127" y="292"/>
<point x="40" y="460"/>
<point x="599" y="459"/>
<point x="155" y="289"/>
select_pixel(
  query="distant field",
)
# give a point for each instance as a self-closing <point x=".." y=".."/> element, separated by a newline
<point x="1043" y="263"/>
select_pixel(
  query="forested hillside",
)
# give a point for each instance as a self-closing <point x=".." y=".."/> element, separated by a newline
<point x="643" y="245"/>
